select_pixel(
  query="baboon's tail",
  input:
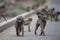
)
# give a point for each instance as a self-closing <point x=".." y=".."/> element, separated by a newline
<point x="4" y="17"/>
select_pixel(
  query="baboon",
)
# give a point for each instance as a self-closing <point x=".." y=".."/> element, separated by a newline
<point x="19" y="26"/>
<point x="28" y="22"/>
<point x="2" y="8"/>
<point x="28" y="9"/>
<point x="50" y="13"/>
<point x="42" y="23"/>
<point x="34" y="6"/>
<point x="53" y="14"/>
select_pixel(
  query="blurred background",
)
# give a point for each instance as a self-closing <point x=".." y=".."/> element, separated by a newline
<point x="13" y="8"/>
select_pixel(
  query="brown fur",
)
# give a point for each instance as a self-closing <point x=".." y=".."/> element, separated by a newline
<point x="19" y="26"/>
<point x="41" y="22"/>
<point x="28" y="22"/>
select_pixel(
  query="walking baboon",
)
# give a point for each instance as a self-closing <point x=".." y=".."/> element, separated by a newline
<point x="42" y="23"/>
<point x="28" y="22"/>
<point x="53" y="14"/>
<point x="50" y="13"/>
<point x="19" y="26"/>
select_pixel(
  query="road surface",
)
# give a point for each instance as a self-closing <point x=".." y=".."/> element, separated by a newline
<point x="52" y="30"/>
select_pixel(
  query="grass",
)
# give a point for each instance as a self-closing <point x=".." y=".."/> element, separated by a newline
<point x="21" y="7"/>
<point x="40" y="1"/>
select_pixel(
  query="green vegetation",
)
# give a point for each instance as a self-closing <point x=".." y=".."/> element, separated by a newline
<point x="21" y="7"/>
<point x="40" y="1"/>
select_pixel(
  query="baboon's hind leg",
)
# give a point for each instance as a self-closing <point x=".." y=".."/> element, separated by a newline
<point x="56" y="19"/>
<point x="42" y="28"/>
<point x="37" y="25"/>
<point x="22" y="31"/>
<point x="42" y="33"/>
<point x="29" y="28"/>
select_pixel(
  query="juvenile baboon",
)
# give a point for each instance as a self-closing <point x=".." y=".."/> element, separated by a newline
<point x="28" y="22"/>
<point x="19" y="26"/>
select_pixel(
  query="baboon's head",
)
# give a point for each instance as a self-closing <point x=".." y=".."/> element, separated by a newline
<point x="30" y="19"/>
<point x="39" y="14"/>
<point x="20" y="19"/>
<point x="53" y="9"/>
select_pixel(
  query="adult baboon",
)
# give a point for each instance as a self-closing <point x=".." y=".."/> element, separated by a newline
<point x="42" y="23"/>
<point x="28" y="22"/>
<point x="50" y="13"/>
<point x="19" y="26"/>
<point x="53" y="14"/>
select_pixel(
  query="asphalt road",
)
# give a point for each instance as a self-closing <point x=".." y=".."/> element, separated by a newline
<point x="52" y="30"/>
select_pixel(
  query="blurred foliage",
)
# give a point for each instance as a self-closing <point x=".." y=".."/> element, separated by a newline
<point x="40" y="1"/>
<point x="24" y="8"/>
<point x="21" y="7"/>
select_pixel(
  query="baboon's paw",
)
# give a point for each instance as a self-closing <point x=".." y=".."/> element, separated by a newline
<point x="17" y="35"/>
<point x="42" y="35"/>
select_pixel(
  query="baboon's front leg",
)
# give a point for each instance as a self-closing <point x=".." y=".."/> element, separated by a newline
<point x="56" y="18"/>
<point x="51" y="18"/>
<point x="37" y="25"/>
<point x="17" y="32"/>
<point x="29" y="28"/>
<point x="22" y="31"/>
<point x="41" y="32"/>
